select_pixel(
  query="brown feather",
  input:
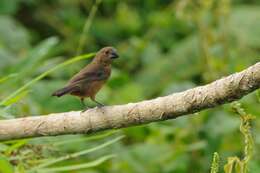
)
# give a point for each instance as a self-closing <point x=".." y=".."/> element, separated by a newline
<point x="88" y="81"/>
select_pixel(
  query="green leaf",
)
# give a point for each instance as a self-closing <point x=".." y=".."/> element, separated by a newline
<point x="16" y="98"/>
<point x="3" y="147"/>
<point x="35" y="57"/>
<point x="239" y="167"/>
<point x="83" y="139"/>
<point x="5" y="78"/>
<point x="16" y="145"/>
<point x="5" y="166"/>
<point x="228" y="168"/>
<point x="30" y="83"/>
<point x="258" y="95"/>
<point x="77" y="154"/>
<point x="78" y="166"/>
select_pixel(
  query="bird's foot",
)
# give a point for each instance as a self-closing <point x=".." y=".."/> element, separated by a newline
<point x="100" y="105"/>
<point x="85" y="109"/>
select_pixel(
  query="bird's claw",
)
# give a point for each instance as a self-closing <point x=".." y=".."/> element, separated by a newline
<point x="100" y="105"/>
<point x="84" y="110"/>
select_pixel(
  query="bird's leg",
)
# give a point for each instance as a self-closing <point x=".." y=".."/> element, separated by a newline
<point x="98" y="103"/>
<point x="83" y="104"/>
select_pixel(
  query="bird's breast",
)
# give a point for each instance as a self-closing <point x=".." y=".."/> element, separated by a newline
<point x="94" y="87"/>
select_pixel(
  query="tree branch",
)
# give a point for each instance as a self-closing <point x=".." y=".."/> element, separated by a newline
<point x="172" y="106"/>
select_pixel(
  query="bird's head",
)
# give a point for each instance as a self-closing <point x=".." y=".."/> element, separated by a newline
<point x="106" y="55"/>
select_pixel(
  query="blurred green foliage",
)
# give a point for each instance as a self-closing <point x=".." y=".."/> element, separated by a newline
<point x="165" y="46"/>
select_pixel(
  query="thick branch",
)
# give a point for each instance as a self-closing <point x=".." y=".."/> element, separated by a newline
<point x="172" y="106"/>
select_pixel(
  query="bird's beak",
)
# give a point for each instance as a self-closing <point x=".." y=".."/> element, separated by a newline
<point x="114" y="55"/>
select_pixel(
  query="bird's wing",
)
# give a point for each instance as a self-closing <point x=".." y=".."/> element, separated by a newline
<point x="88" y="76"/>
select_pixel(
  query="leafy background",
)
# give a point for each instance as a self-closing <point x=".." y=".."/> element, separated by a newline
<point x="165" y="46"/>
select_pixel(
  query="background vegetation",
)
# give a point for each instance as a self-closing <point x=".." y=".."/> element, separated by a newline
<point x="165" y="46"/>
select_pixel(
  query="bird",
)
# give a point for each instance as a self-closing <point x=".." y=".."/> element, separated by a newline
<point x="88" y="81"/>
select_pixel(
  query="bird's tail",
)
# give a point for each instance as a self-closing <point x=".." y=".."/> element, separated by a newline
<point x="63" y="91"/>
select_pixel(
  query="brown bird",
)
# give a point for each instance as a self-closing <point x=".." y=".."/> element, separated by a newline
<point x="91" y="78"/>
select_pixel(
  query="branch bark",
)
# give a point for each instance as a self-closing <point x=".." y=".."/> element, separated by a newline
<point x="172" y="106"/>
